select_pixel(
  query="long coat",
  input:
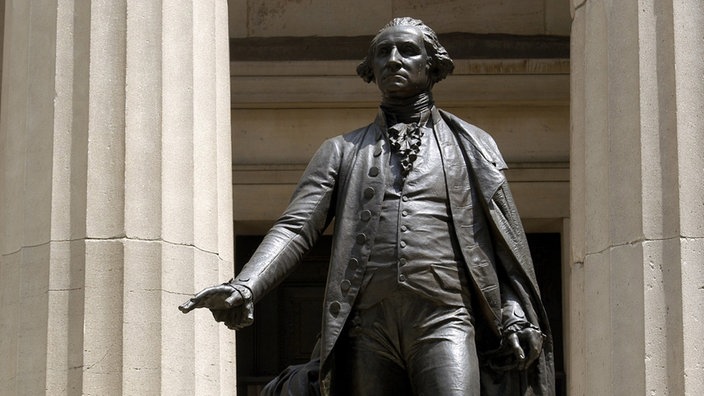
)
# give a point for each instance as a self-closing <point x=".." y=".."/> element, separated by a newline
<point x="344" y="181"/>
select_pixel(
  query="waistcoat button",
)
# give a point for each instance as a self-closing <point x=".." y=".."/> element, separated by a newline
<point x="335" y="308"/>
<point x="345" y="285"/>
<point x="361" y="239"/>
<point x="366" y="215"/>
<point x="373" y="171"/>
<point x="369" y="192"/>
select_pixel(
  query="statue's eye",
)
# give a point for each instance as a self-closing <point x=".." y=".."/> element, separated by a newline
<point x="410" y="49"/>
<point x="383" y="50"/>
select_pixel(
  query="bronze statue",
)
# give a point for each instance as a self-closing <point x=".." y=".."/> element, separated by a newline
<point x="431" y="288"/>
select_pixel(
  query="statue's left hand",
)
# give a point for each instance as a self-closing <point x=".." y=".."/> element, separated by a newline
<point x="527" y="343"/>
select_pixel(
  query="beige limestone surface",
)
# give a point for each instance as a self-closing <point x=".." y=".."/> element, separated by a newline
<point x="115" y="197"/>
<point x="269" y="18"/>
<point x="636" y="210"/>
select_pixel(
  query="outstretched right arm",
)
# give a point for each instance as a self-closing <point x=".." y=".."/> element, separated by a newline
<point x="309" y="212"/>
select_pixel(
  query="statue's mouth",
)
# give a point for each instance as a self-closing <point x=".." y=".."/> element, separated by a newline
<point x="395" y="76"/>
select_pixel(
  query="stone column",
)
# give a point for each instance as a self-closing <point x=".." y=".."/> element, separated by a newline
<point x="637" y="211"/>
<point x="115" y="197"/>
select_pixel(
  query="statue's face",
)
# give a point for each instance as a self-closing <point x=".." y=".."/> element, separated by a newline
<point x="400" y="62"/>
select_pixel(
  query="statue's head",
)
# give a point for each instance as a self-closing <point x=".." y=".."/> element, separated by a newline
<point x="409" y="48"/>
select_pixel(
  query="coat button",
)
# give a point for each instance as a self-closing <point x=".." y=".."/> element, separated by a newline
<point x="366" y="215"/>
<point x="404" y="198"/>
<point x="369" y="192"/>
<point x="402" y="261"/>
<point x="373" y="171"/>
<point x="335" y="308"/>
<point x="354" y="263"/>
<point x="401" y="278"/>
<point x="404" y="213"/>
<point x="403" y="244"/>
<point x="404" y="228"/>
<point x="345" y="285"/>
<point x="361" y="239"/>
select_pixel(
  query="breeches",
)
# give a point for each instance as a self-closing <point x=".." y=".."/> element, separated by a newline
<point x="407" y="345"/>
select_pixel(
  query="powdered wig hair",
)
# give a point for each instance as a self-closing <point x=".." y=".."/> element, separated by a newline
<point x="439" y="62"/>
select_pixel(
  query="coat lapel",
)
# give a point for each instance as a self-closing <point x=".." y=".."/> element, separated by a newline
<point x="479" y="264"/>
<point x="480" y="152"/>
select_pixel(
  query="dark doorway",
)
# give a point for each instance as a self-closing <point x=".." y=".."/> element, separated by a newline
<point x="287" y="321"/>
<point x="547" y="258"/>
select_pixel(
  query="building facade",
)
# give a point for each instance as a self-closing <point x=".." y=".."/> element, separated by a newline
<point x="146" y="146"/>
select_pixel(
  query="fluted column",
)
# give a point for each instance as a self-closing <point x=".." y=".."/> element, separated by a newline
<point x="115" y="197"/>
<point x="637" y="273"/>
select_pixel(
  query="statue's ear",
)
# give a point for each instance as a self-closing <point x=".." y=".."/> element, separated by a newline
<point x="434" y="74"/>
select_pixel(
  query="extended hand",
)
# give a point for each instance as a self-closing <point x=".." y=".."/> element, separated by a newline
<point x="528" y="340"/>
<point x="229" y="304"/>
<point x="218" y="297"/>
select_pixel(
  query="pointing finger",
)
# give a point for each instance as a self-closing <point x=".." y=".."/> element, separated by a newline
<point x="188" y="306"/>
<point x="211" y="297"/>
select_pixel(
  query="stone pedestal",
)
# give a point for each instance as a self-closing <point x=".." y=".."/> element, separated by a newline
<point x="115" y="197"/>
<point x="637" y="211"/>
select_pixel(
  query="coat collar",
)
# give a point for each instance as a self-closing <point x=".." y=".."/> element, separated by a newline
<point x="485" y="168"/>
<point x="479" y="149"/>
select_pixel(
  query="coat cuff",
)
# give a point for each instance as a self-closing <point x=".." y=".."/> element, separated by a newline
<point x="513" y="318"/>
<point x="241" y="315"/>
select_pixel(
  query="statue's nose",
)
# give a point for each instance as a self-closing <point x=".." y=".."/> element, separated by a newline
<point x="394" y="58"/>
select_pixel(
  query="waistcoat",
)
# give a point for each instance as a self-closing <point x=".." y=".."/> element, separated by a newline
<point x="415" y="247"/>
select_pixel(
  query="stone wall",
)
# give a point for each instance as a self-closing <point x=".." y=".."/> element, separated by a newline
<point x="637" y="211"/>
<point x="282" y="18"/>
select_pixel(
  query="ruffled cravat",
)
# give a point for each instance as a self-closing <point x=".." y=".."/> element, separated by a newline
<point x="405" y="140"/>
<point x="408" y="117"/>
